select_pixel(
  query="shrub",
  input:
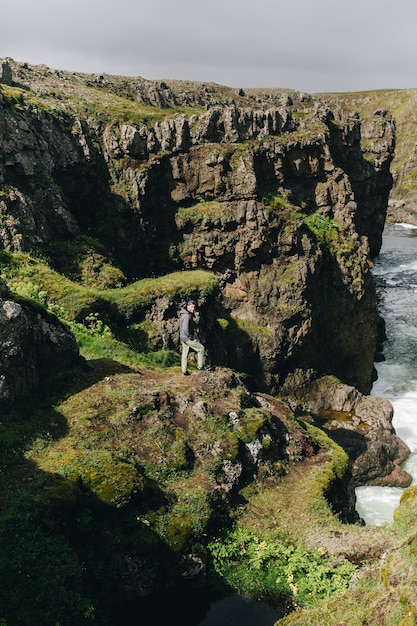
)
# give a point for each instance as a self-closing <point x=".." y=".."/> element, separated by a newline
<point x="272" y="568"/>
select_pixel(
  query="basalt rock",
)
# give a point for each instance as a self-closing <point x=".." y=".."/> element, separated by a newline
<point x="33" y="344"/>
<point x="362" y="426"/>
<point x="271" y="191"/>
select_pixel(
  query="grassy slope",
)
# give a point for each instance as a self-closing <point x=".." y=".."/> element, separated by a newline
<point x="85" y="430"/>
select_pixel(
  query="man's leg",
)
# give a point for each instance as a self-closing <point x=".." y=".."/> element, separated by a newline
<point x="184" y="357"/>
<point x="199" y="348"/>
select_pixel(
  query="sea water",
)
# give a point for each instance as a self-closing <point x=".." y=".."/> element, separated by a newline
<point x="395" y="273"/>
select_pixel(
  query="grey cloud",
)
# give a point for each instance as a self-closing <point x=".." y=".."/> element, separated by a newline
<point x="311" y="46"/>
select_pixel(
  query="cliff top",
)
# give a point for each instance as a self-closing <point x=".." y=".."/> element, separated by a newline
<point x="56" y="84"/>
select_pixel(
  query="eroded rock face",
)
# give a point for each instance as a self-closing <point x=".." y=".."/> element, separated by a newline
<point x="32" y="345"/>
<point x="271" y="192"/>
<point x="242" y="184"/>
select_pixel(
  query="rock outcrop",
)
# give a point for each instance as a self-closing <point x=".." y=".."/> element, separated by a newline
<point x="362" y="426"/>
<point x="33" y="345"/>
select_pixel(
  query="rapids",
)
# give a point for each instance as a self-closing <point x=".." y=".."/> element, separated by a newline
<point x="395" y="273"/>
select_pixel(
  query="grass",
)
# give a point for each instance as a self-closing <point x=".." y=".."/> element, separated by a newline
<point x="143" y="292"/>
<point x="104" y="106"/>
<point x="199" y="212"/>
<point x="32" y="277"/>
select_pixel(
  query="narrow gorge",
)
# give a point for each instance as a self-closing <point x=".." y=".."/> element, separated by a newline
<point x="119" y="199"/>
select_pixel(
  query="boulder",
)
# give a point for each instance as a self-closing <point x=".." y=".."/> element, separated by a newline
<point x="361" y="425"/>
<point x="33" y="345"/>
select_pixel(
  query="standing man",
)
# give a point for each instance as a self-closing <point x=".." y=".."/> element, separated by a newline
<point x="188" y="339"/>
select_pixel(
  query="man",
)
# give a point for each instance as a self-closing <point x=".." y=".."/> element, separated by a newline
<point x="188" y="338"/>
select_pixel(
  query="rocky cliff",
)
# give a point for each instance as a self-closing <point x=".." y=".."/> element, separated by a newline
<point x="273" y="192"/>
<point x="119" y="198"/>
<point x="402" y="102"/>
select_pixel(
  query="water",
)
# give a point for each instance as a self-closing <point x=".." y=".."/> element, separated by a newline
<point x="237" y="611"/>
<point x="395" y="273"/>
<point x="196" y="606"/>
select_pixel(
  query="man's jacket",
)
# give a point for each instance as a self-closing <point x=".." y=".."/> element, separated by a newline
<point x="187" y="326"/>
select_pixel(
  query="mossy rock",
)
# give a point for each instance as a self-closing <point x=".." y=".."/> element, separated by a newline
<point x="187" y="519"/>
<point x="413" y="546"/>
<point x="58" y="492"/>
<point x="178" y="531"/>
<point x="251" y="421"/>
<point x="408" y="504"/>
<point x="115" y="483"/>
<point x="179" y="456"/>
<point x="230" y="446"/>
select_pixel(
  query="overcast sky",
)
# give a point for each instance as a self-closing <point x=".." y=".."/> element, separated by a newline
<point x="308" y="45"/>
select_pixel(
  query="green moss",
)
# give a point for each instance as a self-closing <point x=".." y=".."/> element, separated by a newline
<point x="266" y="442"/>
<point x="275" y="202"/>
<point x="112" y="481"/>
<point x="223" y="323"/>
<point x="178" y="531"/>
<point x="205" y="210"/>
<point x="404" y="514"/>
<point x="187" y="519"/>
<point x="338" y="464"/>
<point x="230" y="446"/>
<point x="251" y="328"/>
<point x="237" y="329"/>
<point x="250" y="422"/>
<point x="178" y="457"/>
<point x="57" y="492"/>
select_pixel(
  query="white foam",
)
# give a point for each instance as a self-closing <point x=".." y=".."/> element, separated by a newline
<point x="405" y="225"/>
<point x="376" y="505"/>
<point x="405" y="410"/>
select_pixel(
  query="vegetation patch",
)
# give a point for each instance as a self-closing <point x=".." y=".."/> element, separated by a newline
<point x="106" y="322"/>
<point x="85" y="261"/>
<point x="275" y="202"/>
<point x="250" y="422"/>
<point x="324" y="228"/>
<point x="19" y="99"/>
<point x="267" y="569"/>
<point x="194" y="215"/>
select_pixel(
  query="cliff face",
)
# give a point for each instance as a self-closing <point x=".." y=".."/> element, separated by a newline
<point x="403" y="198"/>
<point x="271" y="192"/>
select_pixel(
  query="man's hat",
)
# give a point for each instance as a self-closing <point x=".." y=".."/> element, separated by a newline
<point x="191" y="302"/>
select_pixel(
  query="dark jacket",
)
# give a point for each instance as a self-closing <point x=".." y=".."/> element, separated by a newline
<point x="187" y="325"/>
